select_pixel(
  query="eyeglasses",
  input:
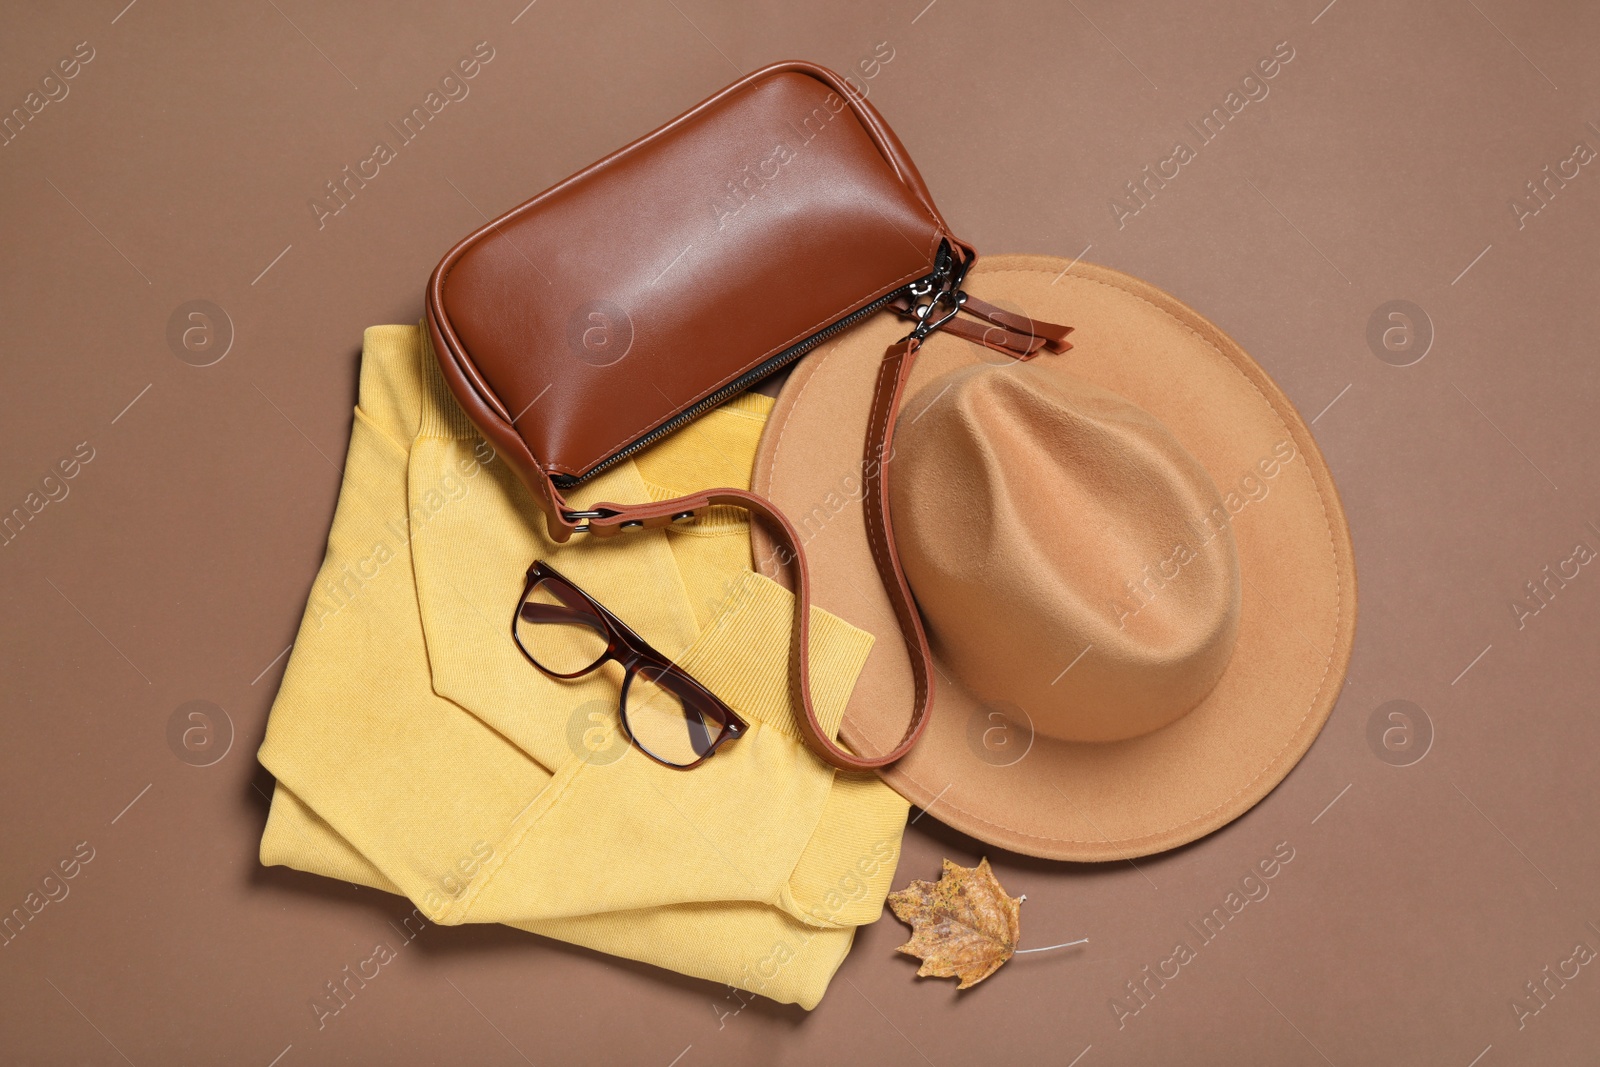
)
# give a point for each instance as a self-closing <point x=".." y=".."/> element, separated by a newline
<point x="667" y="715"/>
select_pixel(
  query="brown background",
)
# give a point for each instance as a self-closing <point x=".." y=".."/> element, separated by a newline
<point x="1380" y="167"/>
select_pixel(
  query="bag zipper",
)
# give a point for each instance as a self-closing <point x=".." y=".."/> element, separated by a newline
<point x="920" y="287"/>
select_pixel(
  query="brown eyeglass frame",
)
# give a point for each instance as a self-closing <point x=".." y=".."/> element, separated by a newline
<point x="630" y="651"/>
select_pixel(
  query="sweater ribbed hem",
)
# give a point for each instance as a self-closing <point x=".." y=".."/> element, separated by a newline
<point x="441" y="415"/>
<point x="758" y="687"/>
<point x="848" y="865"/>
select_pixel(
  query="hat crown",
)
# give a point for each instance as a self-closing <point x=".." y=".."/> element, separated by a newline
<point x="1065" y="550"/>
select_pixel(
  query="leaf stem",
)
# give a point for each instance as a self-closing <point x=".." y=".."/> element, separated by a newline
<point x="1047" y="948"/>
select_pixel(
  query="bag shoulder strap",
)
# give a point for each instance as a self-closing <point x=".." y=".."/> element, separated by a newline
<point x="608" y="519"/>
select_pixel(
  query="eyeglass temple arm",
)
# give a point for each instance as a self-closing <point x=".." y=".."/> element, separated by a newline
<point x="692" y="692"/>
<point x="581" y="609"/>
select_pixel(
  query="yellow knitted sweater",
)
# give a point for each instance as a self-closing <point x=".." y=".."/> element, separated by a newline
<point x="417" y="752"/>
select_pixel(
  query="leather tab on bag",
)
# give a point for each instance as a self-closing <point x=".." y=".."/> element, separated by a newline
<point x="1017" y="336"/>
<point x="1053" y="336"/>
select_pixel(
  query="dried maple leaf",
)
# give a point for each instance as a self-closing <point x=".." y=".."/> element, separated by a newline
<point x="962" y="926"/>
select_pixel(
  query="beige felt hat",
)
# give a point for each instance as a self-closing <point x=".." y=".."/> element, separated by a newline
<point x="1133" y="566"/>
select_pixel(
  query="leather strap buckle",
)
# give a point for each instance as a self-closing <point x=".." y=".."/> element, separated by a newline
<point x="926" y="323"/>
<point x="951" y="295"/>
<point x="573" y="516"/>
<point x="572" y="519"/>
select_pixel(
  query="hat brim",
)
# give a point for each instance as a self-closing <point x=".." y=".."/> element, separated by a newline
<point x="1042" y="796"/>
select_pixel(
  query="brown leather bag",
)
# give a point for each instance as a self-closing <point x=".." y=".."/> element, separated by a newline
<point x="641" y="292"/>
